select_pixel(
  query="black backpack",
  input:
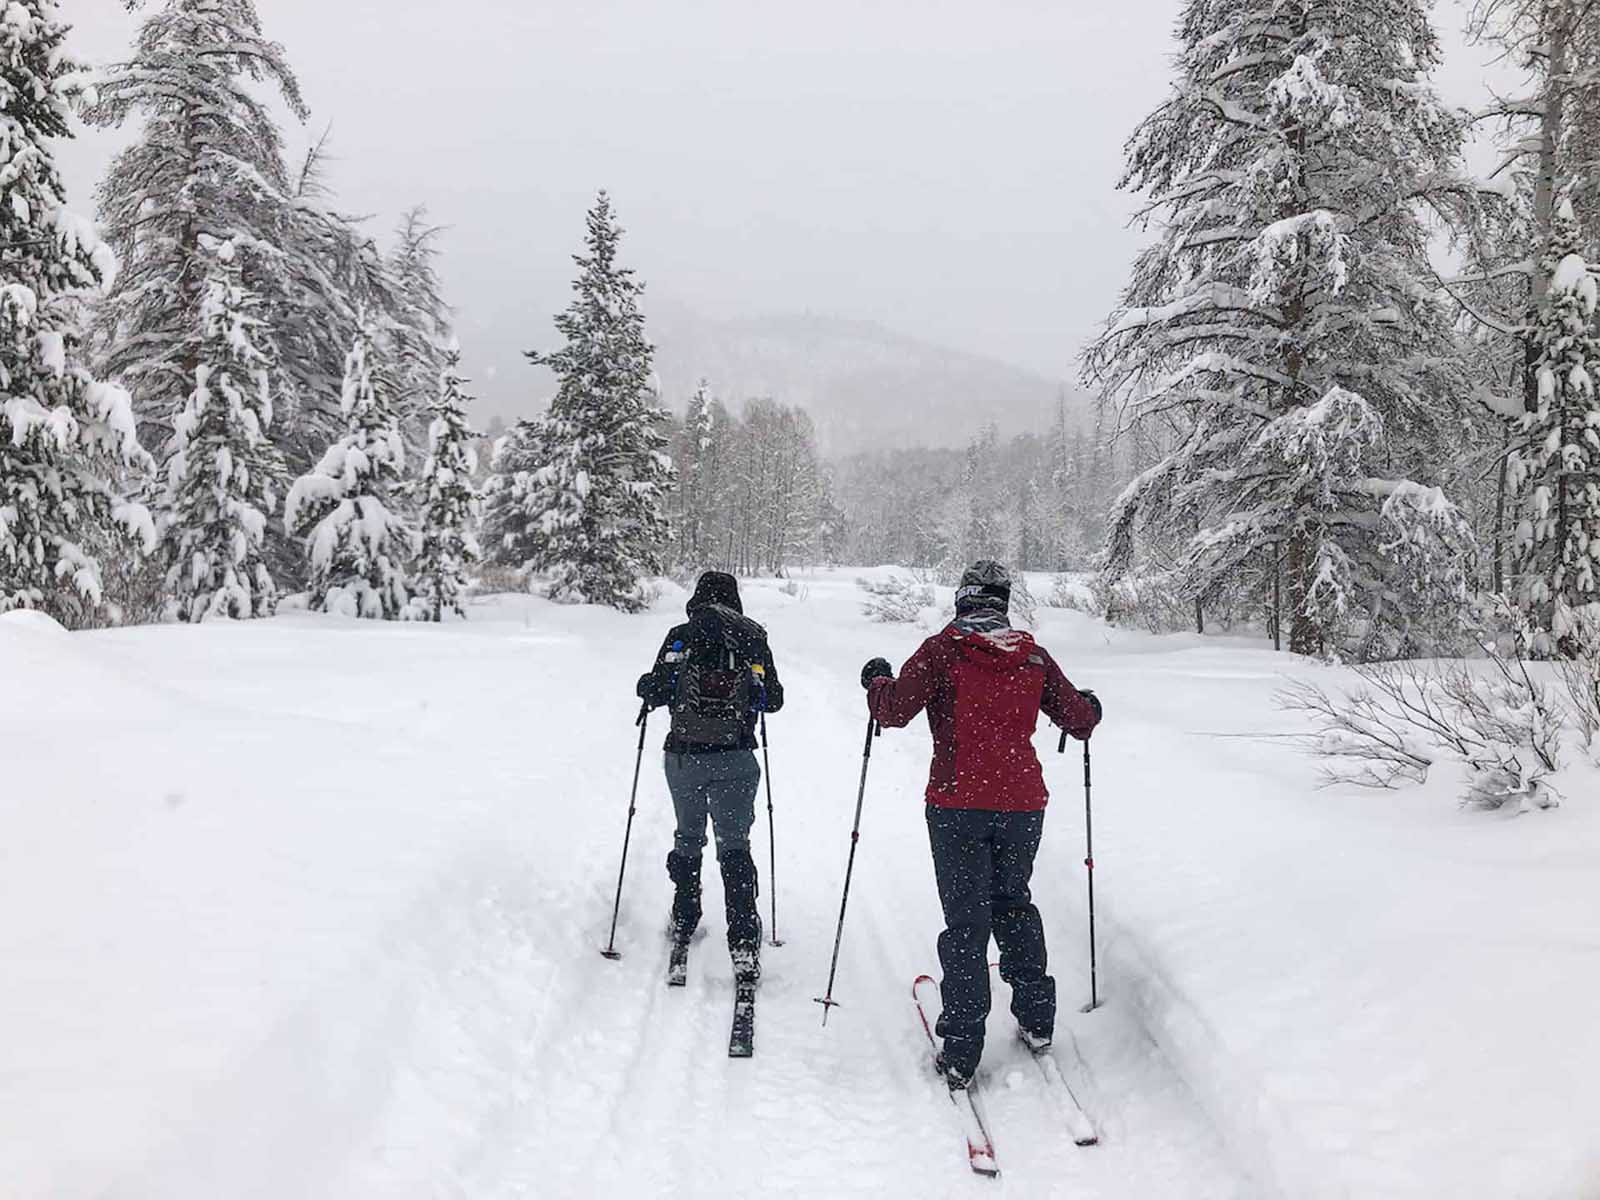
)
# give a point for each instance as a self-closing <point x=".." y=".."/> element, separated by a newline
<point x="715" y="695"/>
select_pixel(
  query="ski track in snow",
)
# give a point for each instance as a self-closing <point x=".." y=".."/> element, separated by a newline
<point x="321" y="916"/>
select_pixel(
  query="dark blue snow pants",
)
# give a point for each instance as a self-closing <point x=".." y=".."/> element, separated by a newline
<point x="722" y="786"/>
<point x="983" y="862"/>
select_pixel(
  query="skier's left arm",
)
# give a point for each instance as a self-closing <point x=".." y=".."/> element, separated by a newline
<point x="1078" y="712"/>
<point x="771" y="685"/>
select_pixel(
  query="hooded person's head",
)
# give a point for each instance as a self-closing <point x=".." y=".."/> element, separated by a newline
<point x="984" y="585"/>
<point x="715" y="587"/>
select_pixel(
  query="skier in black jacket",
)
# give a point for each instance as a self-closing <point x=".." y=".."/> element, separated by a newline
<point x="715" y="673"/>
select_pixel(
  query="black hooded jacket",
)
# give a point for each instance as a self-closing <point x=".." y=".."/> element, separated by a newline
<point x="716" y="616"/>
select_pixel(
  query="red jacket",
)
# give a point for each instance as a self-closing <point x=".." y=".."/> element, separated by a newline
<point x="984" y="693"/>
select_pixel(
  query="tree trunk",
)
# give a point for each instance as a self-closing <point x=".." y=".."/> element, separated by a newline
<point x="1500" y="513"/>
<point x="1544" y="186"/>
<point x="1305" y="636"/>
<point x="1277" y="596"/>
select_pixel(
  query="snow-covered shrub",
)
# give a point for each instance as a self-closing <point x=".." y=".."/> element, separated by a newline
<point x="1505" y="728"/>
<point x="491" y="578"/>
<point x="1147" y="598"/>
<point x="895" y="600"/>
<point x="1070" y="591"/>
<point x="796" y="589"/>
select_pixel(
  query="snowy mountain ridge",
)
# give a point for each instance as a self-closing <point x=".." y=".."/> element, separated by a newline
<point x="861" y="382"/>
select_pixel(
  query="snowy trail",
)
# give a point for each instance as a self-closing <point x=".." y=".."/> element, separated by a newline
<point x="319" y="912"/>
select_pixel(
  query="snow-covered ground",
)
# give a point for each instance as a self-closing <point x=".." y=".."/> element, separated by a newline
<point x="312" y="907"/>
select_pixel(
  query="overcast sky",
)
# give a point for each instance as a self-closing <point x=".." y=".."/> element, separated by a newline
<point x="945" y="168"/>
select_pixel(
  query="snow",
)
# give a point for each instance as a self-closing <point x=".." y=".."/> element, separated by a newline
<point x="276" y="935"/>
<point x="1572" y="277"/>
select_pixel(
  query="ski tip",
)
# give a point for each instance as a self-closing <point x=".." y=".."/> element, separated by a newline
<point x="1090" y="1139"/>
<point x="984" y="1164"/>
<point x="774" y="941"/>
<point x="613" y="955"/>
<point x="1089" y="1008"/>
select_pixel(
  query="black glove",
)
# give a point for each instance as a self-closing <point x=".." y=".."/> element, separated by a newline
<point x="878" y="668"/>
<point x="1094" y="703"/>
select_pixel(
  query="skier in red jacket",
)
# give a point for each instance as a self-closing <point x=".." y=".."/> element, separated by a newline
<point x="984" y="685"/>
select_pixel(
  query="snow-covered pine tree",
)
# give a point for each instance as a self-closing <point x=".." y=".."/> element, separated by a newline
<point x="64" y="437"/>
<point x="1554" y="122"/>
<point x="419" y="333"/>
<point x="696" y="448"/>
<point x="343" y="510"/>
<point x="449" y="500"/>
<point x="1283" y="330"/>
<point x="223" y="476"/>
<point x="592" y="512"/>
<point x="1558" y="460"/>
<point x="330" y="279"/>
<point x="1057" y="507"/>
<point x="207" y="165"/>
<point x="509" y="539"/>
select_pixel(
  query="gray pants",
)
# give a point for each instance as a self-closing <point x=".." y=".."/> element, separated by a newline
<point x="721" y="786"/>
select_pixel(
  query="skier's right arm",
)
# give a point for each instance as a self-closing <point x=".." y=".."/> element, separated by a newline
<point x="656" y="686"/>
<point x="896" y="702"/>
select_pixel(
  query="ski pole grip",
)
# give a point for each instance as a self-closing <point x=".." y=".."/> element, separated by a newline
<point x="644" y="716"/>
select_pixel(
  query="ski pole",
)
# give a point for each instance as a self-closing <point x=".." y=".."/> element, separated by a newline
<point x="827" y="1001"/>
<point x="611" y="950"/>
<point x="772" y="835"/>
<point x="1088" y="862"/>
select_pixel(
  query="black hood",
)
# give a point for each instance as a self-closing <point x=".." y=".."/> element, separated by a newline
<point x="715" y="587"/>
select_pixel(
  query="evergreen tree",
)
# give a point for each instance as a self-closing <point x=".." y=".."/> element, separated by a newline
<point x="1287" y="304"/>
<point x="329" y="281"/>
<point x="207" y="167"/>
<point x="1059" y="501"/>
<point x="510" y="539"/>
<point x="1558" y="463"/>
<point x="695" y="456"/>
<point x="64" y="436"/>
<point x="208" y="164"/>
<point x="343" y="510"/>
<point x="450" y="504"/>
<point x="419" y="334"/>
<point x="591" y="513"/>
<point x="222" y="473"/>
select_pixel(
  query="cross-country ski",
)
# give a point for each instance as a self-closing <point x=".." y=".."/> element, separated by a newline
<point x="678" y="963"/>
<point x="963" y="1093"/>
<point x="1083" y="1131"/>
<point x="742" y="1038"/>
